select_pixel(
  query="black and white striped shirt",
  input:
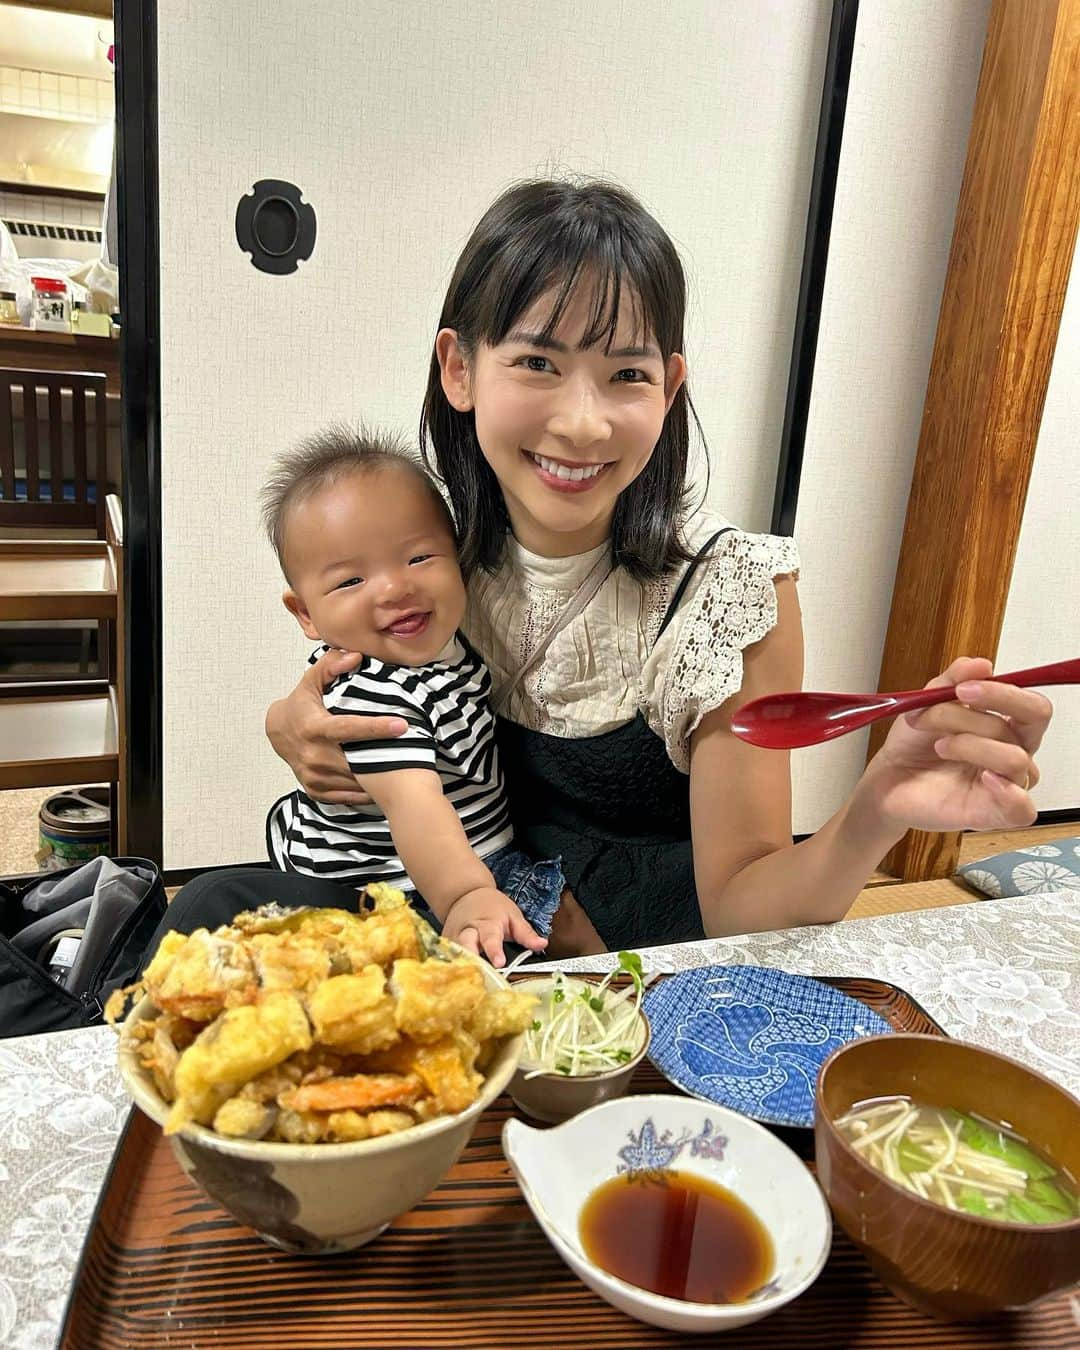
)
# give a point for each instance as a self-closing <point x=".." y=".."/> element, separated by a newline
<point x="451" y="730"/>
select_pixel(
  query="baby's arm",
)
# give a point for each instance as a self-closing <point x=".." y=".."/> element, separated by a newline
<point x="432" y="843"/>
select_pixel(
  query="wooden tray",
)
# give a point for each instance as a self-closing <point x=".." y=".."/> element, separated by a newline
<point x="468" y="1267"/>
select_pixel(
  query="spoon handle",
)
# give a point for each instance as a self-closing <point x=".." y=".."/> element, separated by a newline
<point x="1058" y="672"/>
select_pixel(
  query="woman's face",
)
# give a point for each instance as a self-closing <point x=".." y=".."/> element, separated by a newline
<point x="564" y="428"/>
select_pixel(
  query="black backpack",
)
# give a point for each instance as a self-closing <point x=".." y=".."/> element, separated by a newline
<point x="31" y="999"/>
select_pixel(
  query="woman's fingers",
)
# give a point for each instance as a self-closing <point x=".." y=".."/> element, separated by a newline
<point x="339" y="796"/>
<point x="952" y="719"/>
<point x="1000" y="757"/>
<point x="963" y="668"/>
<point x="1028" y="711"/>
<point x="357" y="727"/>
<point x="1016" y="807"/>
<point x="332" y="664"/>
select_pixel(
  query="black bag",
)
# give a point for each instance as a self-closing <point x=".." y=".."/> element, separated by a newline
<point x="105" y="911"/>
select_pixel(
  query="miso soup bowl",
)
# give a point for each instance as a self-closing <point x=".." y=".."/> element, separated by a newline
<point x="945" y="1262"/>
<point x="558" y="1169"/>
<point x="320" y="1198"/>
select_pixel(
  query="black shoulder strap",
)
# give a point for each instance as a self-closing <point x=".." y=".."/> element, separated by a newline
<point x="676" y="599"/>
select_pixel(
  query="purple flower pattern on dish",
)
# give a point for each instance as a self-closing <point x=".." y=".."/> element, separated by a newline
<point x="651" y="1152"/>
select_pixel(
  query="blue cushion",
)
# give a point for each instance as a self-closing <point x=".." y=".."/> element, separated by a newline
<point x="1053" y="866"/>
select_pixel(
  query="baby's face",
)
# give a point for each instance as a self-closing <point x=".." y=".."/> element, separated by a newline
<point x="373" y="568"/>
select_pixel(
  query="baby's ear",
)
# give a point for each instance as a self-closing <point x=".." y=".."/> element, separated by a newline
<point x="298" y="610"/>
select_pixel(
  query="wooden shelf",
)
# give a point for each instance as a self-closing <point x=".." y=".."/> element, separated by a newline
<point x="59" y="739"/>
<point x="25" y="349"/>
<point x="69" y="579"/>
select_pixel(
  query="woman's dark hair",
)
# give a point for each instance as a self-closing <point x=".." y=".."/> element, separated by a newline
<point x="547" y="236"/>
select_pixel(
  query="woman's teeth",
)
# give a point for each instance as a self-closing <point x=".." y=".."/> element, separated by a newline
<point x="564" y="470"/>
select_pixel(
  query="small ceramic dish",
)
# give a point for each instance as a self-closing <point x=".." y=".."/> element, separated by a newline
<point x="554" y="1097"/>
<point x="946" y="1262"/>
<point x="559" y="1169"/>
<point x="752" y="1039"/>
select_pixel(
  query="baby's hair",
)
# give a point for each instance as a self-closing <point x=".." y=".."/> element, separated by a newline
<point x="325" y="458"/>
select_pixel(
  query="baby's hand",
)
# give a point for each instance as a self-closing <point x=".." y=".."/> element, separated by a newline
<point x="483" y="919"/>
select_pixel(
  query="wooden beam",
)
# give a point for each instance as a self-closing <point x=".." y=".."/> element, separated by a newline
<point x="96" y="9"/>
<point x="1012" y="248"/>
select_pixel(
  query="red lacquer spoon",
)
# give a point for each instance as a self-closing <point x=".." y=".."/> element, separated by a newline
<point x="786" y="721"/>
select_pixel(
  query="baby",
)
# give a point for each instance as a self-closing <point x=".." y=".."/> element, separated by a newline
<point x="368" y="549"/>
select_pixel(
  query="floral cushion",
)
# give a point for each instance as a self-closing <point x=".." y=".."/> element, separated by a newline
<point x="1053" y="866"/>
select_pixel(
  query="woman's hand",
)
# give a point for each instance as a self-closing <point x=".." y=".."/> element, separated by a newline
<point x="309" y="739"/>
<point x="963" y="765"/>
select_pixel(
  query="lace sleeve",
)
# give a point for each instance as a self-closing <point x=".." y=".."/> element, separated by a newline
<point x="697" y="663"/>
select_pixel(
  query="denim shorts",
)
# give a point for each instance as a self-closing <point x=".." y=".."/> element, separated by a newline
<point x="535" y="887"/>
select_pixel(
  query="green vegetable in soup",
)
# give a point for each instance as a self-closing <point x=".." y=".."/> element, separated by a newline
<point x="912" y="1158"/>
<point x="961" y="1162"/>
<point x="973" y="1201"/>
<point x="995" y="1143"/>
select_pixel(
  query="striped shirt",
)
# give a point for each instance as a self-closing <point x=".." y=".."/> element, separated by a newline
<point x="451" y="730"/>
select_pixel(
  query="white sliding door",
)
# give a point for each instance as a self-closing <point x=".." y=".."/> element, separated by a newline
<point x="400" y="121"/>
<point x="913" y="84"/>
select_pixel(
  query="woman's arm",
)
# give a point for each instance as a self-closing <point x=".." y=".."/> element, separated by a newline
<point x="309" y="739"/>
<point x="949" y="767"/>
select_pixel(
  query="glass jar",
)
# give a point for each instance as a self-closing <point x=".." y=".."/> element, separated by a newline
<point x="9" y="310"/>
<point x="50" y="308"/>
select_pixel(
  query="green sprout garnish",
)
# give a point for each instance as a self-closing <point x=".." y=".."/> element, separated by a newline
<point x="583" y="1028"/>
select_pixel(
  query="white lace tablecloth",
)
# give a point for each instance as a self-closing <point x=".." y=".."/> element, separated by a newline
<point x="1003" y="973"/>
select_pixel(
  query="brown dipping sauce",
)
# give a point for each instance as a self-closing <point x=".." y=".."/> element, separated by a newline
<point x="677" y="1235"/>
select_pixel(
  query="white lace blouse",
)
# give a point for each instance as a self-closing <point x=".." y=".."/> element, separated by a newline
<point x="607" y="664"/>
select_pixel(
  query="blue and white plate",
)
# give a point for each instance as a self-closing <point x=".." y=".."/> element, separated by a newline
<point x="752" y="1039"/>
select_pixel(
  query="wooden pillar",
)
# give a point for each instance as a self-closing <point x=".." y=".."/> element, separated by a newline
<point x="1012" y="248"/>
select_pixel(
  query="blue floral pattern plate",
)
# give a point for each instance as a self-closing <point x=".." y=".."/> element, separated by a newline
<point x="752" y="1039"/>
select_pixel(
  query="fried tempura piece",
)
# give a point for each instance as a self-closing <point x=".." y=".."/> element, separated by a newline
<point x="241" y="1118"/>
<point x="290" y="960"/>
<point x="446" y="1071"/>
<point x="354" y="1012"/>
<point x="503" y="1012"/>
<point x="198" y="975"/>
<point x="387" y="1121"/>
<point x="160" y="1056"/>
<point x="381" y="938"/>
<point x="445" y="1068"/>
<point x="298" y="1127"/>
<point x="241" y="1044"/>
<point x="269" y="1085"/>
<point x="358" y="1093"/>
<point x="435" y="998"/>
<point x="346" y="1127"/>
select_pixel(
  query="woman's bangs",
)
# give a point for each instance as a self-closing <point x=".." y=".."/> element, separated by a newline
<point x="559" y="268"/>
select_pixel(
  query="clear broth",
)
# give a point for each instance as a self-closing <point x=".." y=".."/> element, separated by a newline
<point x="677" y="1235"/>
<point x="961" y="1162"/>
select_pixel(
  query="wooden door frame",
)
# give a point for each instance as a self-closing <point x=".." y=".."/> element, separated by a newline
<point x="135" y="27"/>
<point x="1012" y="248"/>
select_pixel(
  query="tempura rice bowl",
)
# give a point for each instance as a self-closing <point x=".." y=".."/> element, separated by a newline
<point x="325" y="1197"/>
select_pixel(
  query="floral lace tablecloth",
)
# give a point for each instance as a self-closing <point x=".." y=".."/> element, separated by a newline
<point x="1004" y="973"/>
